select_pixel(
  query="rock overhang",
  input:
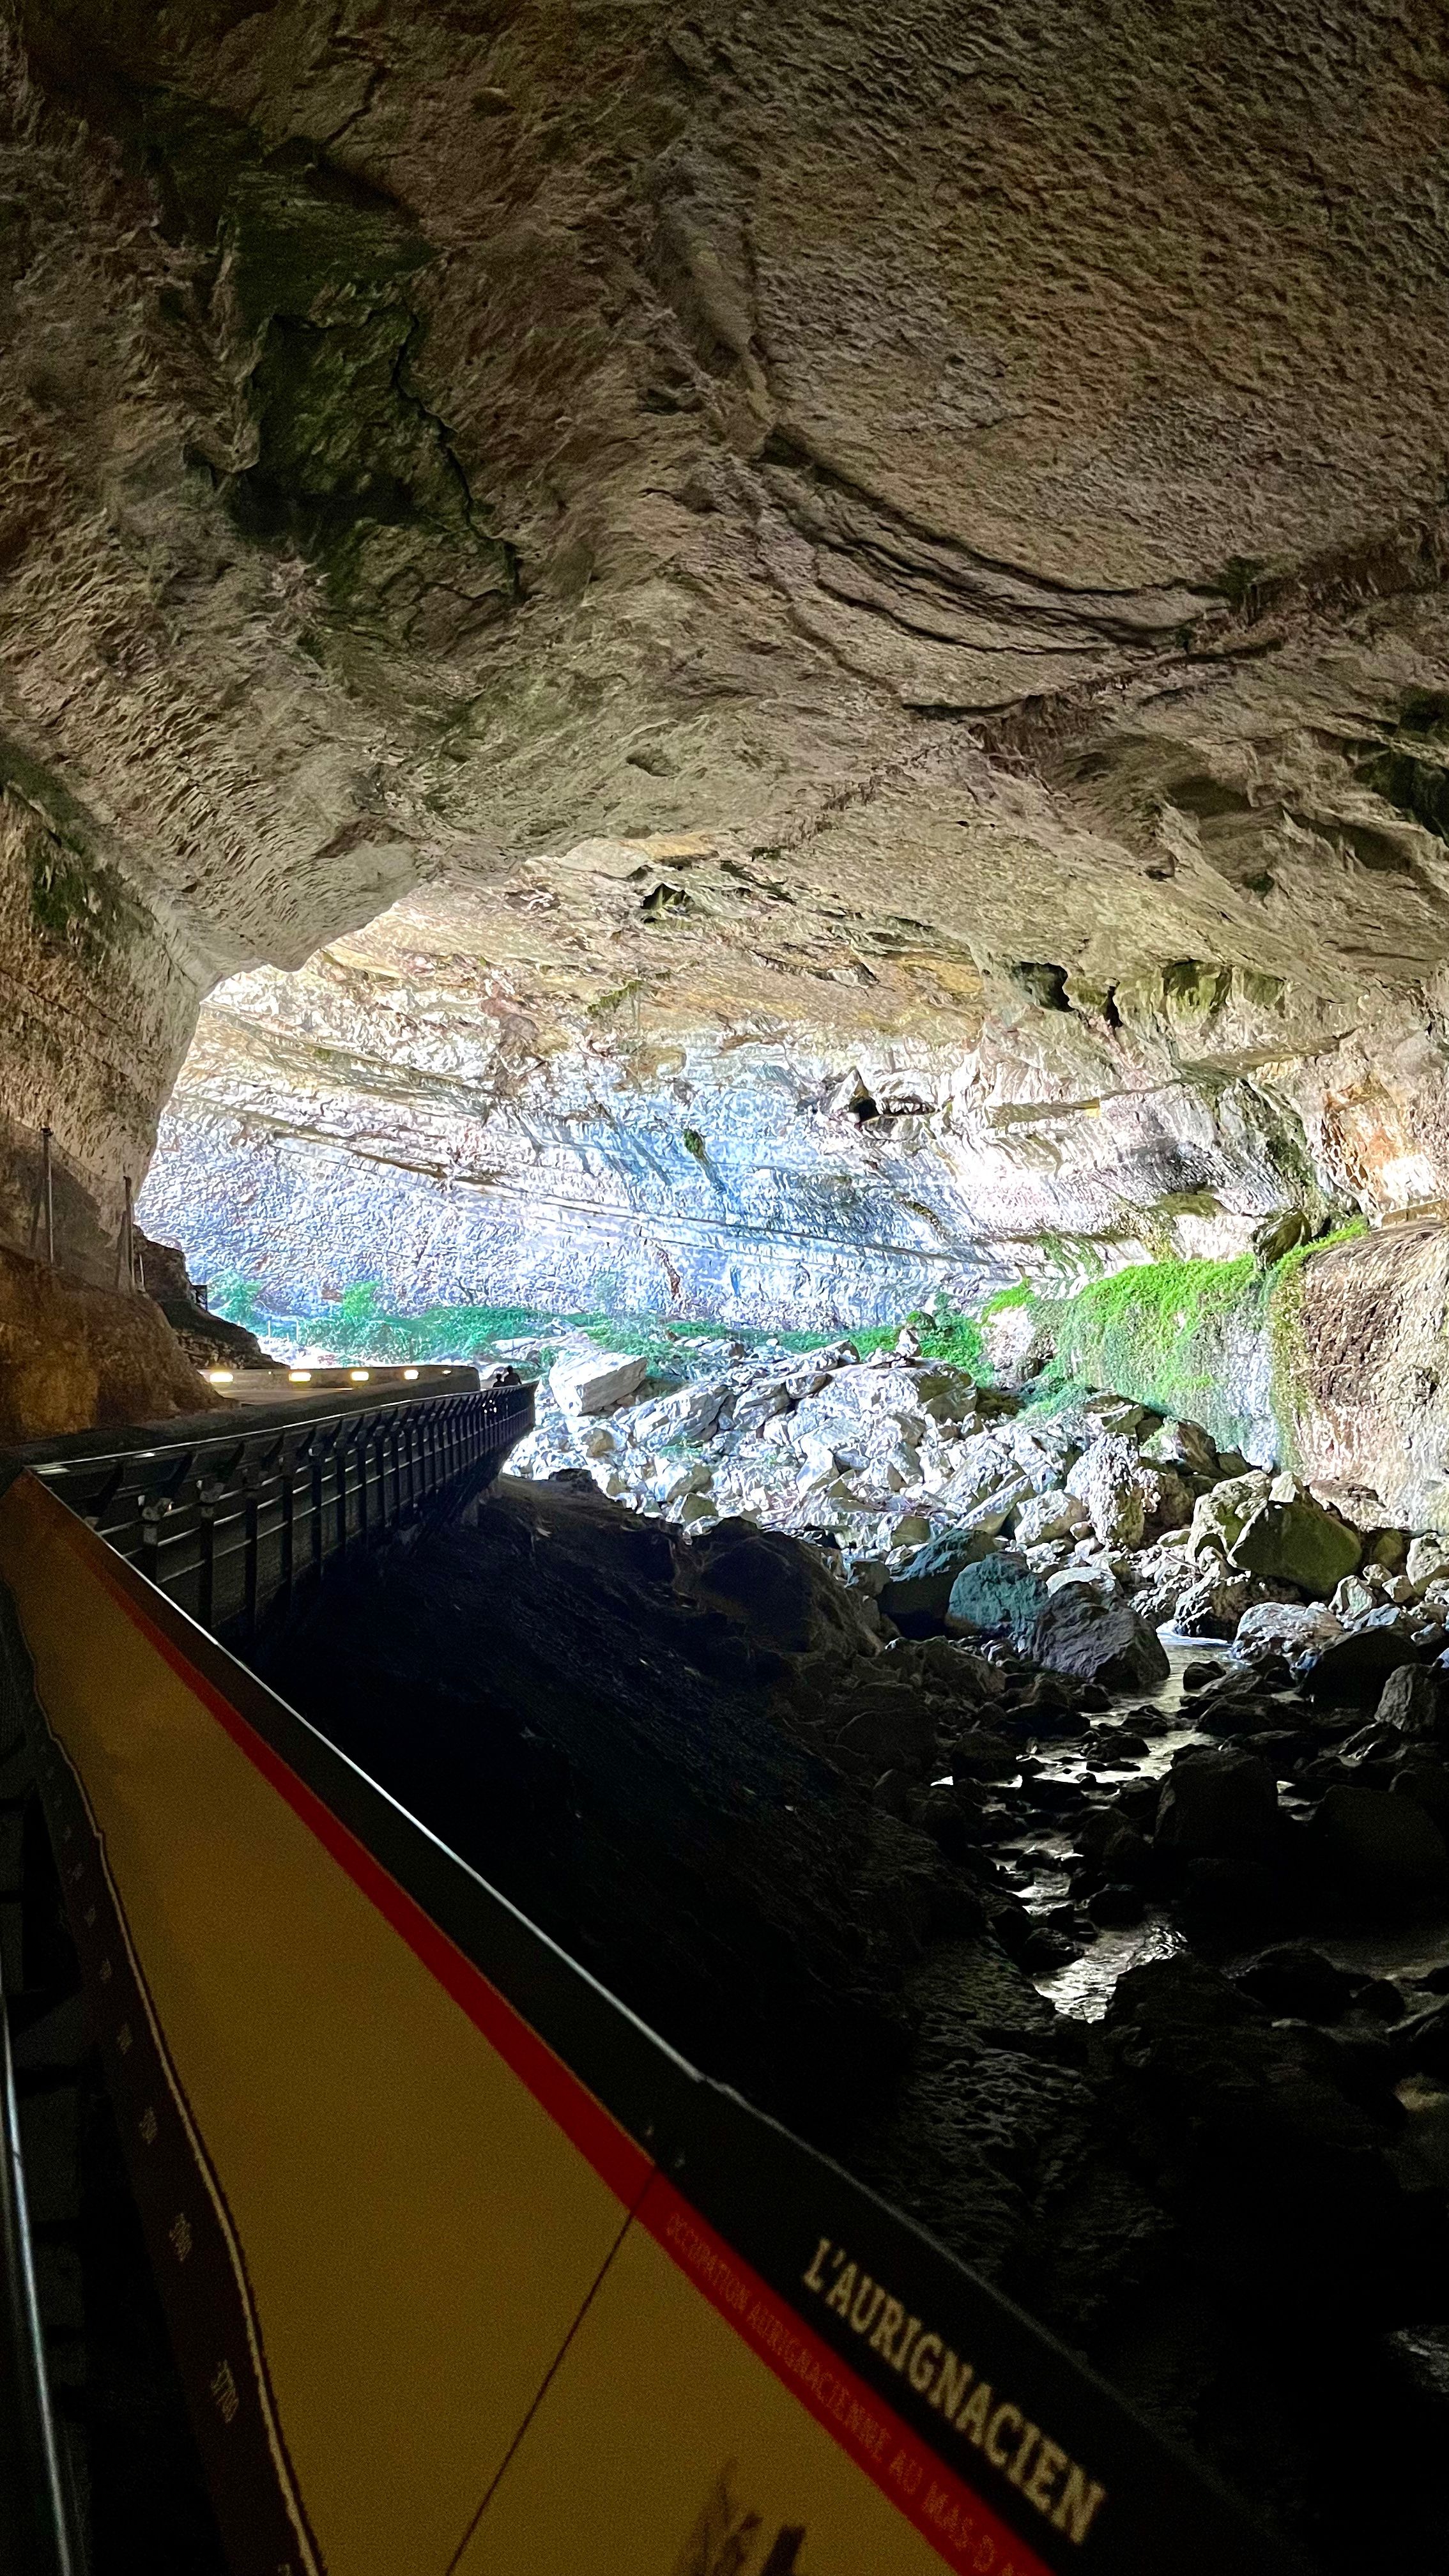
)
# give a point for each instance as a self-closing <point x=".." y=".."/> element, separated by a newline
<point x="943" y="492"/>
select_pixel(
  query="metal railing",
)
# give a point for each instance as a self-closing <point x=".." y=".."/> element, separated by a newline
<point x="35" y="2529"/>
<point x="233" y="1522"/>
<point x="230" y="1520"/>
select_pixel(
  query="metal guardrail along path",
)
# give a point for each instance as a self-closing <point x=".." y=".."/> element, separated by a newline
<point x="237" y="1519"/>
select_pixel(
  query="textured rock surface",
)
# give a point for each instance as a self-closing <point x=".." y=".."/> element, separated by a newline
<point x="941" y="504"/>
<point x="73" y="1355"/>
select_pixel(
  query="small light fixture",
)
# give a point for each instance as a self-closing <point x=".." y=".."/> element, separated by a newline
<point x="359" y="1377"/>
<point x="300" y="1377"/>
<point x="220" y="1377"/>
<point x="409" y="1372"/>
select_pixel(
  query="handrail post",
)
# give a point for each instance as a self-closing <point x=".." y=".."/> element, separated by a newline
<point x="153" y="1510"/>
<point x="34" y="2527"/>
<point x="252" y="1517"/>
<point x="208" y="1493"/>
<point x="286" y="1572"/>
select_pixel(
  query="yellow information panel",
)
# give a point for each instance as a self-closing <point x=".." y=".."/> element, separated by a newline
<point x="468" y="2276"/>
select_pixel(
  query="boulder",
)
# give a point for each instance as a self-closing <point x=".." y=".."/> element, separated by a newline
<point x="775" y="1587"/>
<point x="1415" y="1699"/>
<point x="992" y="1514"/>
<point x="1218" y="1517"/>
<point x="1000" y="1597"/>
<point x="1167" y="1497"/>
<point x="917" y="1597"/>
<point x="1095" y="1640"/>
<point x="1427" y="1783"/>
<point x="1051" y="1515"/>
<point x="1427" y="1561"/>
<point x="886" y="1725"/>
<point x="591" y="1381"/>
<point x="1109" y="1479"/>
<point x="1286" y="1628"/>
<point x="690" y="1414"/>
<point x="1214" y="1605"/>
<point x="1232" y="1901"/>
<point x="1352" y="1669"/>
<point x="1297" y="1542"/>
<point x="1182" y="1444"/>
<point x="1015" y="1342"/>
<point x="1117" y="1413"/>
<point x="1218" y="1806"/>
<point x="1381" y="1855"/>
<point x="1295" y="1981"/>
<point x="1421" y="2044"/>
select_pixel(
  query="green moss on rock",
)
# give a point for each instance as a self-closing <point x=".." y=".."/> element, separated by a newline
<point x="1166" y="1333"/>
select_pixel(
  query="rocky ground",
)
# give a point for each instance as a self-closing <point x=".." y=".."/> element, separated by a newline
<point x="883" y="1458"/>
<point x="1122" y="1963"/>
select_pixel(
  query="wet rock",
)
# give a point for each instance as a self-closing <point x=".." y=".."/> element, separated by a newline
<point x="1380" y="1855"/>
<point x="949" y="1664"/>
<point x="1116" y="1907"/>
<point x="1252" y="2131"/>
<point x="1420" y="2043"/>
<point x="1227" y="1902"/>
<point x="1296" y="1981"/>
<point x="1353" y="1668"/>
<point x="1046" y="1948"/>
<point x="1043" y="1694"/>
<point x="1218" y="1806"/>
<point x="1297" y="1542"/>
<point x="591" y="1381"/>
<point x="1077" y="1632"/>
<point x="999" y="1597"/>
<point x="917" y="1598"/>
<point x="980" y="1754"/>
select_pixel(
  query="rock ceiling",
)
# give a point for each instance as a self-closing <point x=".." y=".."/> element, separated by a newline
<point x="955" y="496"/>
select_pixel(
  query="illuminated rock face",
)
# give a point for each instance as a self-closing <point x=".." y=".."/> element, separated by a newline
<point x="553" y="1095"/>
<point x="815" y="552"/>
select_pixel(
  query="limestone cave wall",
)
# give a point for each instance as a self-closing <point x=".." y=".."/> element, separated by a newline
<point x="822" y="545"/>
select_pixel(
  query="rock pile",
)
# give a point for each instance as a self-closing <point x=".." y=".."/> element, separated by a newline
<point x="907" y="1467"/>
<point x="1011" y="1569"/>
